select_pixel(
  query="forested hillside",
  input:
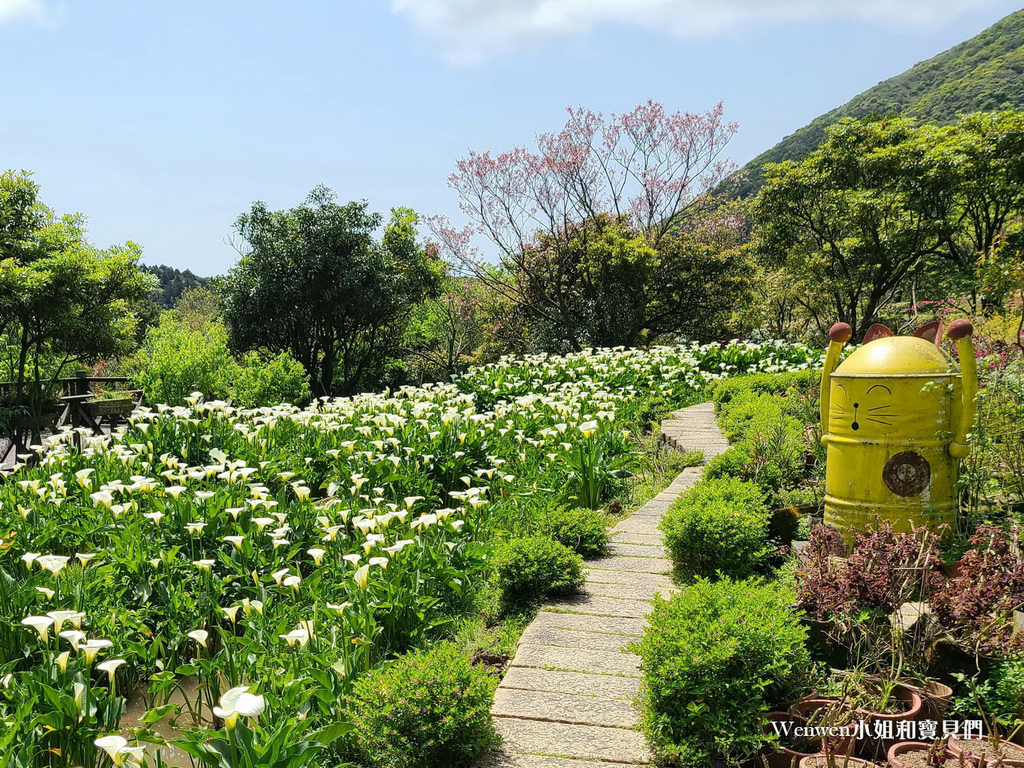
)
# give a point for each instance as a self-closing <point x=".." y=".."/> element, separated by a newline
<point x="173" y="283"/>
<point x="983" y="73"/>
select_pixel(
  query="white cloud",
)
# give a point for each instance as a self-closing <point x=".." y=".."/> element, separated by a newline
<point x="469" y="30"/>
<point x="33" y="10"/>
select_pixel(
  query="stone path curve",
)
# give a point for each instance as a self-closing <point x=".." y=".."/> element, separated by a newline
<point x="567" y="699"/>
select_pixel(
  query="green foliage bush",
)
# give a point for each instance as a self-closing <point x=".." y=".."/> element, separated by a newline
<point x="766" y="417"/>
<point x="714" y="658"/>
<point x="718" y="525"/>
<point x="428" y="709"/>
<point x="176" y="360"/>
<point x="268" y="380"/>
<point x="581" y="530"/>
<point x="762" y="383"/>
<point x="532" y="568"/>
<point x="187" y="351"/>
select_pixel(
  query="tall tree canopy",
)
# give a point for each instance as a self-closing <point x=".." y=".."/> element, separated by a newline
<point x="315" y="281"/>
<point x="881" y="201"/>
<point x="593" y="228"/>
<point x="62" y="300"/>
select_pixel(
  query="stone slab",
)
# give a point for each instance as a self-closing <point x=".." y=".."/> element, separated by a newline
<point x="577" y="660"/>
<point x="653" y="515"/>
<point x="581" y="622"/>
<point x="567" y="638"/>
<point x="638" y="579"/>
<point x="627" y="591"/>
<point x="500" y="759"/>
<point x="601" y="606"/>
<point x="641" y="525"/>
<point x="631" y="537"/>
<point x="654" y="505"/>
<point x="564" y="708"/>
<point x="636" y="550"/>
<point x="588" y="742"/>
<point x="575" y="683"/>
<point x="637" y="564"/>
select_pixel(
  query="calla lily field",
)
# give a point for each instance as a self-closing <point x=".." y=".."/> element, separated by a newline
<point x="236" y="571"/>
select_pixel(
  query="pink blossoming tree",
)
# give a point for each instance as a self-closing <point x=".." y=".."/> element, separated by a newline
<point x="646" y="176"/>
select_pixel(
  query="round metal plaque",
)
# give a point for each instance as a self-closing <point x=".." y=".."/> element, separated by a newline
<point x="907" y="473"/>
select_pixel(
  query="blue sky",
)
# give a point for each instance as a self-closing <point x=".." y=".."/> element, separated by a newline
<point x="163" y="121"/>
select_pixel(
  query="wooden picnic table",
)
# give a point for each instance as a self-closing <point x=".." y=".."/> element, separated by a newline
<point x="79" y="406"/>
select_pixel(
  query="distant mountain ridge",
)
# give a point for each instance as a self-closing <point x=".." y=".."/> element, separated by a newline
<point x="172" y="283"/>
<point x="981" y="74"/>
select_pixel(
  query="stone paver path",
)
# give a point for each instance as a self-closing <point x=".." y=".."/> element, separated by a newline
<point x="567" y="699"/>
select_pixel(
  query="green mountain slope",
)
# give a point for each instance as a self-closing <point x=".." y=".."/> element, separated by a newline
<point x="983" y="73"/>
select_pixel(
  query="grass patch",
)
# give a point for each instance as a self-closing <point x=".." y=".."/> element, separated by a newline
<point x="659" y="466"/>
<point x="489" y="636"/>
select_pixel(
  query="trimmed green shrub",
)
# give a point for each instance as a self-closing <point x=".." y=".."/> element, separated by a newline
<point x="715" y="657"/>
<point x="177" y="359"/>
<point x="765" y="417"/>
<point x="426" y="710"/>
<point x="718" y="525"/>
<point x="732" y="463"/>
<point x="535" y="567"/>
<point x="581" y="530"/>
<point x="269" y="380"/>
<point x="762" y="383"/>
<point x="744" y="409"/>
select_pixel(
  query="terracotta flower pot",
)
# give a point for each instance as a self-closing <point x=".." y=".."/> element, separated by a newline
<point x="809" y="705"/>
<point x="935" y="699"/>
<point x="783" y="756"/>
<point x="838" y="761"/>
<point x="902" y="747"/>
<point x="811" y="708"/>
<point x="1012" y="755"/>
<point x="874" y="748"/>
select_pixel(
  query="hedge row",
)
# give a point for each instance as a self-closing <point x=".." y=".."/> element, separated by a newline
<point x="727" y="647"/>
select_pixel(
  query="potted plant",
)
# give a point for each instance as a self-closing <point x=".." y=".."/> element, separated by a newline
<point x="828" y="712"/>
<point x="872" y="699"/>
<point x="920" y="754"/>
<point x="992" y="750"/>
<point x="833" y="760"/>
<point x="935" y="698"/>
<point x="790" y="748"/>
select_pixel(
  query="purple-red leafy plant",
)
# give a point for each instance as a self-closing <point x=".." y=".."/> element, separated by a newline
<point x="977" y="604"/>
<point x="885" y="570"/>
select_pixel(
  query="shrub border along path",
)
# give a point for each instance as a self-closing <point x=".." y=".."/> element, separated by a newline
<point x="567" y="699"/>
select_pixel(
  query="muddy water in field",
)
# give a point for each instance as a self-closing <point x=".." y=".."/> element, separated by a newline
<point x="140" y="702"/>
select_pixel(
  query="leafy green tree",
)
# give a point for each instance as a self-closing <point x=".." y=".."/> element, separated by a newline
<point x="173" y="283"/>
<point x="608" y="285"/>
<point x="980" y="186"/>
<point x="1001" y="273"/>
<point x="62" y="300"/>
<point x="845" y="223"/>
<point x="265" y="379"/>
<point x="446" y="331"/>
<point x="313" y="280"/>
<point x="177" y="358"/>
<point x="187" y="351"/>
<point x="884" y="208"/>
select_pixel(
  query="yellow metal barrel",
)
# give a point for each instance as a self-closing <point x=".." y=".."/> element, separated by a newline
<point x="890" y="414"/>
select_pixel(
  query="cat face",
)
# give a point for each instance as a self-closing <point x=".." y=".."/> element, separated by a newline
<point x="862" y="409"/>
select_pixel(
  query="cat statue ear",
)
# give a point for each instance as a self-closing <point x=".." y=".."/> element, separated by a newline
<point x="931" y="332"/>
<point x="877" y="331"/>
